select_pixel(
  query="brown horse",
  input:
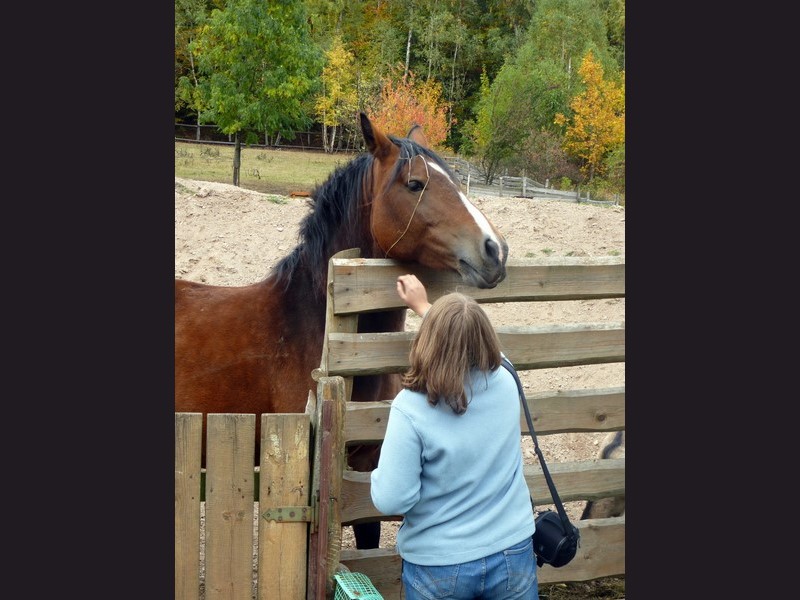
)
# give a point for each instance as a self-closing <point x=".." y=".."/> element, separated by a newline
<point x="252" y="349"/>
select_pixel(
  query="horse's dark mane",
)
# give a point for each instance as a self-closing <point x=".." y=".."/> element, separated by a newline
<point x="335" y="210"/>
<point x="334" y="206"/>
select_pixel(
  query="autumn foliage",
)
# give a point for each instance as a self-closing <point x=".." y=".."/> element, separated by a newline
<point x="404" y="102"/>
<point x="597" y="126"/>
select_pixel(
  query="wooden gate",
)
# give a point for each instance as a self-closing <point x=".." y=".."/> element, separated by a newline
<point x="246" y="508"/>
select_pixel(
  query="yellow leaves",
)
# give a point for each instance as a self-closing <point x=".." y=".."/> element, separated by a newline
<point x="338" y="98"/>
<point x="598" y="121"/>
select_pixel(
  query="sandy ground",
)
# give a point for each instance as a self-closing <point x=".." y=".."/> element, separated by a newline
<point x="225" y="235"/>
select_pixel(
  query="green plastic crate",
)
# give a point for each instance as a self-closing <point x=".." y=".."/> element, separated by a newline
<point x="351" y="586"/>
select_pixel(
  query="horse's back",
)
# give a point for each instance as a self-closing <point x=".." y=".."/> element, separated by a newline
<point x="234" y="353"/>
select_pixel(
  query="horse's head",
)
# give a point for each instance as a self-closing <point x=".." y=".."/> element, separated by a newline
<point x="419" y="213"/>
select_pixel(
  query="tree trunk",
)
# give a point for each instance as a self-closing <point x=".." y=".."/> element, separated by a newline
<point x="408" y="50"/>
<point x="196" y="85"/>
<point x="452" y="90"/>
<point x="237" y="159"/>
<point x="333" y="137"/>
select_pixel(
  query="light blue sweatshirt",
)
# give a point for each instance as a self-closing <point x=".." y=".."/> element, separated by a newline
<point x="456" y="479"/>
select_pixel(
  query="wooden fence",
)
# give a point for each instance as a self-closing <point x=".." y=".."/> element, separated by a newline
<point x="265" y="533"/>
<point x="363" y="285"/>
<point x="472" y="178"/>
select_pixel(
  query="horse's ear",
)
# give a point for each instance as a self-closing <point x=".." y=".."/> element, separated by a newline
<point x="377" y="143"/>
<point x="415" y="134"/>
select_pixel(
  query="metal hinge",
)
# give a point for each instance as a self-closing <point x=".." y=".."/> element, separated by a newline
<point x="289" y="514"/>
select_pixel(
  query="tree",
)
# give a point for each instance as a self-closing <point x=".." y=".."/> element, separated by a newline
<point x="564" y="30"/>
<point x="189" y="15"/>
<point x="338" y="102"/>
<point x="493" y="134"/>
<point x="405" y="102"/>
<point x="514" y="120"/>
<point x="615" y="26"/>
<point x="519" y="104"/>
<point x="597" y="125"/>
<point x="258" y="65"/>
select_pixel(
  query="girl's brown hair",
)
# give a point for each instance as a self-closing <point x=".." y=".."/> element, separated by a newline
<point x="455" y="337"/>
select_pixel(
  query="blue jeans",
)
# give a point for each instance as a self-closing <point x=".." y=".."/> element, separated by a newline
<point x="506" y="575"/>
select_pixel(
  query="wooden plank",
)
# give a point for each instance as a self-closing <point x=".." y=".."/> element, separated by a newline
<point x="332" y="392"/>
<point x="328" y="543"/>
<point x="528" y="347"/>
<point x="285" y="481"/>
<point x="601" y="554"/>
<point x="229" y="506"/>
<point x="572" y="411"/>
<point x="360" y="285"/>
<point x="581" y="480"/>
<point x="336" y="323"/>
<point x="563" y="345"/>
<point x="561" y="411"/>
<point x="188" y="444"/>
<point x="317" y="540"/>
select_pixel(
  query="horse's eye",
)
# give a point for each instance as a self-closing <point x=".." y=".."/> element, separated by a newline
<point x="415" y="186"/>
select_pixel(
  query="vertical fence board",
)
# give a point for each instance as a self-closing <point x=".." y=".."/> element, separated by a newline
<point x="285" y="481"/>
<point x="188" y="443"/>
<point x="229" y="506"/>
<point x="333" y="401"/>
<point x="318" y="537"/>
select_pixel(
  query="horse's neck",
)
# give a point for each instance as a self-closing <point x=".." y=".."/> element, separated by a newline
<point x="359" y="235"/>
<point x="299" y="302"/>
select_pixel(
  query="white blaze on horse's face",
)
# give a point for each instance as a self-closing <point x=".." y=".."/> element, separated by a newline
<point x="439" y="227"/>
<point x="480" y="218"/>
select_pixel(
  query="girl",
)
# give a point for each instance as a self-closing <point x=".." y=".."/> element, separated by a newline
<point x="451" y="462"/>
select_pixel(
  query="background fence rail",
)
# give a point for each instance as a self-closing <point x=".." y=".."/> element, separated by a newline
<point x="469" y="175"/>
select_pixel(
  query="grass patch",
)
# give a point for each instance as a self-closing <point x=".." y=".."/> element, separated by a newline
<point x="263" y="170"/>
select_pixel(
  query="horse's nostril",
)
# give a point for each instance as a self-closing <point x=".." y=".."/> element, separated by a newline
<point x="492" y="249"/>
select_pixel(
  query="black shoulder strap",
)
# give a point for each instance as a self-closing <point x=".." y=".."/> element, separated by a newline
<point x="553" y="492"/>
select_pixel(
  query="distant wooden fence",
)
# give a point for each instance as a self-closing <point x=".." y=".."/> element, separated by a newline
<point x="302" y="490"/>
<point x="362" y="285"/>
<point x="519" y="187"/>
